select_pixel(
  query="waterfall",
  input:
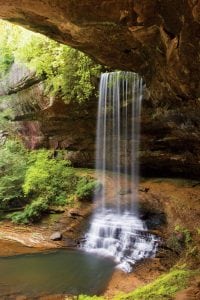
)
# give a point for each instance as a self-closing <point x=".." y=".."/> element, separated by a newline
<point x="115" y="229"/>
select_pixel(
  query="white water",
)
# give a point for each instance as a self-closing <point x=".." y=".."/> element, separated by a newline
<point x="115" y="228"/>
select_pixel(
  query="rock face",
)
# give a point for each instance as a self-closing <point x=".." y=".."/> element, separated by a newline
<point x="158" y="39"/>
<point x="56" y="236"/>
<point x="170" y="137"/>
<point x="170" y="142"/>
<point x="44" y="121"/>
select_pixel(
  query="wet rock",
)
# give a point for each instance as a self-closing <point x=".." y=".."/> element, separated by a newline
<point x="21" y="298"/>
<point x="56" y="210"/>
<point x="56" y="236"/>
<point x="19" y="78"/>
<point x="74" y="213"/>
<point x="3" y="137"/>
<point x="70" y="243"/>
<point x="170" y="134"/>
<point x="153" y="218"/>
<point x="180" y="237"/>
<point x="125" y="192"/>
<point x="144" y="190"/>
<point x="175" y="243"/>
<point x="80" y="241"/>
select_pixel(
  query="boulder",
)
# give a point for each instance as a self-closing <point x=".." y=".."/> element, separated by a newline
<point x="74" y="213"/>
<point x="56" y="236"/>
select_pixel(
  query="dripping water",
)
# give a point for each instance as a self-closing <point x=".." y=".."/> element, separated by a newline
<point x="116" y="229"/>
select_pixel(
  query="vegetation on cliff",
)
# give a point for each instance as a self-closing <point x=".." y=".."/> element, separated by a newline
<point x="32" y="182"/>
<point x="13" y="166"/>
<point x="35" y="181"/>
<point x="66" y="71"/>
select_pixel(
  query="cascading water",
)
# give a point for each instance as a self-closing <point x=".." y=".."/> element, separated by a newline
<point x="115" y="229"/>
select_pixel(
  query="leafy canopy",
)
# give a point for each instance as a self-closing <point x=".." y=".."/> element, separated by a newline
<point x="68" y="72"/>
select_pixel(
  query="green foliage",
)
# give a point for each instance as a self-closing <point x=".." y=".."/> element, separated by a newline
<point x="50" y="179"/>
<point x="13" y="166"/>
<point x="55" y="181"/>
<point x="180" y="239"/>
<point x="165" y="287"/>
<point x="5" y="124"/>
<point x="32" y="212"/>
<point x="85" y="297"/>
<point x="193" y="251"/>
<point x="174" y="243"/>
<point x="85" y="188"/>
<point x="6" y="59"/>
<point x="79" y="75"/>
<point x="37" y="180"/>
<point x="186" y="234"/>
<point x="68" y="72"/>
<point x="7" y="46"/>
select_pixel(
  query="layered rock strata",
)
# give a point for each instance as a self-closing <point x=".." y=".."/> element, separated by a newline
<point x="170" y="131"/>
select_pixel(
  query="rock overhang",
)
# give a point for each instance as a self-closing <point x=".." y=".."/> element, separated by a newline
<point x="158" y="39"/>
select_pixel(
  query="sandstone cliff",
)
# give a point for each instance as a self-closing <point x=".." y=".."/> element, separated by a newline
<point x="158" y="39"/>
<point x="170" y="140"/>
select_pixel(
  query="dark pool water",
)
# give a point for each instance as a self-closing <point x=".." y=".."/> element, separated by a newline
<point x="63" y="271"/>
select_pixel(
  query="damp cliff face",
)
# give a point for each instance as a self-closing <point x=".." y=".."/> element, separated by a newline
<point x="170" y="131"/>
<point x="170" y="141"/>
<point x="158" y="39"/>
<point x="45" y="121"/>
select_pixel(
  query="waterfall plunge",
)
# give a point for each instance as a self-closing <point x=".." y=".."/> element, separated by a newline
<point x="115" y="228"/>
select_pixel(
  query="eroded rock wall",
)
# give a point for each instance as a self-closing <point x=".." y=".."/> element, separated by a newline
<point x="45" y="121"/>
<point x="170" y="131"/>
<point x="170" y="141"/>
<point x="158" y="39"/>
